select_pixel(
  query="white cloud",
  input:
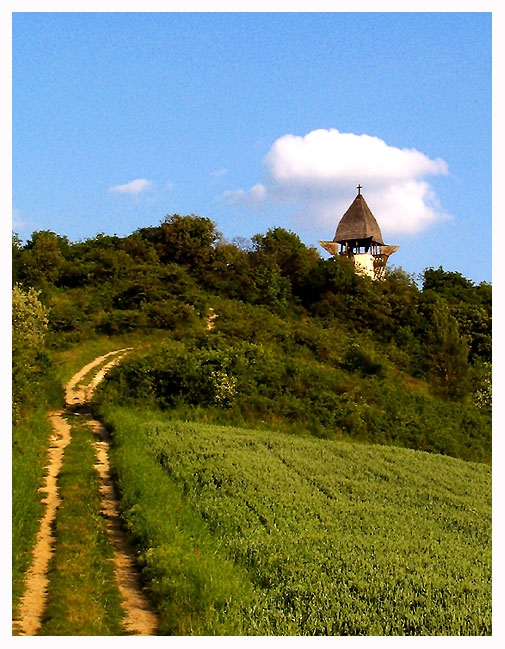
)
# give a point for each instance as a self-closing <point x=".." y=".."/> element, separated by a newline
<point x="219" y="173"/>
<point x="134" y="187"/>
<point x="317" y="174"/>
<point x="254" y="197"/>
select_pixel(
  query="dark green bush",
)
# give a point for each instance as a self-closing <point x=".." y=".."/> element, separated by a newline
<point x="356" y="359"/>
<point x="169" y="315"/>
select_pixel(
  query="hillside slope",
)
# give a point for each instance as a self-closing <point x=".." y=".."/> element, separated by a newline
<point x="392" y="361"/>
<point x="260" y="370"/>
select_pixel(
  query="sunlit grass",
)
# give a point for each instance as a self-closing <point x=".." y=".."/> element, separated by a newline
<point x="69" y="361"/>
<point x="29" y="458"/>
<point x="304" y="536"/>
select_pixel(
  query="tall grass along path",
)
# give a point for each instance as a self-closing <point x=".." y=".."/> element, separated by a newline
<point x="139" y="619"/>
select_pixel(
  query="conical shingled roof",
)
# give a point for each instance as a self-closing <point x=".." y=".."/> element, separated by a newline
<point x="358" y="223"/>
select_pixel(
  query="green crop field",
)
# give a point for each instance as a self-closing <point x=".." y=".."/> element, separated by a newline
<point x="254" y="532"/>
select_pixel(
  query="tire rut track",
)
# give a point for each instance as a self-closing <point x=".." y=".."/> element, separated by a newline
<point x="140" y="619"/>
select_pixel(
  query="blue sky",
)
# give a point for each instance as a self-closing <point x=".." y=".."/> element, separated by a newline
<point x="258" y="120"/>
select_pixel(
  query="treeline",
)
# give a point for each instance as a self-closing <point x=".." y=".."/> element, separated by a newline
<point x="167" y="276"/>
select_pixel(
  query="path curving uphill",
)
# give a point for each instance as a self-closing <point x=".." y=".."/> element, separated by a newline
<point x="139" y="617"/>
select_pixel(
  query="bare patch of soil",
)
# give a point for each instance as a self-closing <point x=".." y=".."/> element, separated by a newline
<point x="210" y="319"/>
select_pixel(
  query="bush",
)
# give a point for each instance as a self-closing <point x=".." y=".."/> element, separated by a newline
<point x="31" y="367"/>
<point x="29" y="319"/>
<point x="170" y="315"/>
<point x="355" y="359"/>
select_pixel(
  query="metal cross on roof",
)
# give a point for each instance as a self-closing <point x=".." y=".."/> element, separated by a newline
<point x="359" y="190"/>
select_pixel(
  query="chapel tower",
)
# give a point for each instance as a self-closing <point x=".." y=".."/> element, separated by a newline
<point x="359" y="237"/>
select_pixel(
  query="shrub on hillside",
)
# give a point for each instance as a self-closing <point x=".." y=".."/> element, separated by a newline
<point x="170" y="315"/>
<point x="31" y="367"/>
<point x="357" y="359"/>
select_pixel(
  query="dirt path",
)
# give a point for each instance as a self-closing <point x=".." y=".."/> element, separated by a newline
<point x="210" y="318"/>
<point x="140" y="620"/>
<point x="33" y="601"/>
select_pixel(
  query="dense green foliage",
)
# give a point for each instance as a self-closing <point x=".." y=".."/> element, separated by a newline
<point x="293" y="375"/>
<point x="32" y="377"/>
<point x="334" y="352"/>
<point x="253" y="532"/>
<point x="111" y="284"/>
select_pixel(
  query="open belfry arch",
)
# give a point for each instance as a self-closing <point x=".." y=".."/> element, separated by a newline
<point x="359" y="237"/>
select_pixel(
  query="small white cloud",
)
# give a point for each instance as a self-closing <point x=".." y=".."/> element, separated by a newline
<point x="317" y="174"/>
<point x="170" y="185"/>
<point x="234" y="196"/>
<point x="253" y="197"/>
<point x="219" y="173"/>
<point x="258" y="192"/>
<point x="134" y="187"/>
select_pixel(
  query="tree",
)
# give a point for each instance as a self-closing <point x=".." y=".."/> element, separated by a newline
<point x="284" y="250"/>
<point x="29" y="326"/>
<point x="17" y="247"/>
<point x="400" y="291"/>
<point x="447" y="351"/>
<point x="43" y="258"/>
<point x="231" y="275"/>
<point x="451" y="285"/>
<point x="187" y="240"/>
<point x="29" y="319"/>
<point x="469" y="304"/>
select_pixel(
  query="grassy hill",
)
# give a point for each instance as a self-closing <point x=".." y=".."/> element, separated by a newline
<point x="325" y="480"/>
<point x="256" y="532"/>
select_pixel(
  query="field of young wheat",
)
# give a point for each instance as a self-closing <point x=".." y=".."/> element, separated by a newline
<point x="251" y="532"/>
